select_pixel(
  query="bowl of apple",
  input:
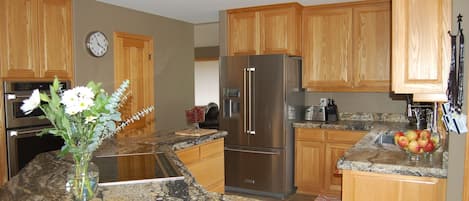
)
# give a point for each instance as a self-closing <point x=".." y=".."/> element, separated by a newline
<point x="417" y="143"/>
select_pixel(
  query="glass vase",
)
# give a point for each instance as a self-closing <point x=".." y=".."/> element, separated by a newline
<point x="82" y="178"/>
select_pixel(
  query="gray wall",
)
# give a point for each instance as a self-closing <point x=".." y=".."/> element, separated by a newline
<point x="457" y="142"/>
<point x="173" y="55"/>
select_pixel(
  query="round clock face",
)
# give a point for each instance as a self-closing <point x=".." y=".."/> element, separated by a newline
<point x="97" y="43"/>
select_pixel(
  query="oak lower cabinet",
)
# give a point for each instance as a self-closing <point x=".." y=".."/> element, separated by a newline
<point x="421" y="48"/>
<point x="36" y="39"/>
<point x="368" y="186"/>
<point x="206" y="162"/>
<point x="346" y="47"/>
<point x="274" y="29"/>
<point x="316" y="155"/>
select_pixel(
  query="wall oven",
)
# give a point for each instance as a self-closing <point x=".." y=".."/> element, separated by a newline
<point x="23" y="142"/>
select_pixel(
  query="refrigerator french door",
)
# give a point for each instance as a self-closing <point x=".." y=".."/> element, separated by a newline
<point x="255" y="94"/>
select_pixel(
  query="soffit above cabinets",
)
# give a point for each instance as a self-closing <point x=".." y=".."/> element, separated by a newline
<point x="201" y="11"/>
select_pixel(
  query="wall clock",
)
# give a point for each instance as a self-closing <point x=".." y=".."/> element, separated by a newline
<point x="97" y="43"/>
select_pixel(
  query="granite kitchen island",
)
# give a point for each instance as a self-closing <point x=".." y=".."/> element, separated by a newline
<point x="44" y="178"/>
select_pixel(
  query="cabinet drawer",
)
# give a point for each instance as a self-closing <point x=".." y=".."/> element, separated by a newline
<point x="314" y="134"/>
<point x="211" y="148"/>
<point x="344" y="136"/>
<point x="189" y="155"/>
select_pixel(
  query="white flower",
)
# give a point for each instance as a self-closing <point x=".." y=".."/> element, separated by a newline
<point x="90" y="119"/>
<point x="77" y="100"/>
<point x="31" y="103"/>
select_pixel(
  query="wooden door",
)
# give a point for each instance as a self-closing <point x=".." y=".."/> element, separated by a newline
<point x="420" y="46"/>
<point x="280" y="30"/>
<point x="333" y="179"/>
<point x="243" y="33"/>
<point x="55" y="38"/>
<point x="19" y="39"/>
<point x="133" y="60"/>
<point x="309" y="163"/>
<point x="372" y="47"/>
<point x="327" y="49"/>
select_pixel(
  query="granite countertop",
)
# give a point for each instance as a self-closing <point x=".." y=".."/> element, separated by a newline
<point x="367" y="156"/>
<point x="44" y="177"/>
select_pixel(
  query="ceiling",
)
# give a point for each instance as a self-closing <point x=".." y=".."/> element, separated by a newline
<point x="200" y="11"/>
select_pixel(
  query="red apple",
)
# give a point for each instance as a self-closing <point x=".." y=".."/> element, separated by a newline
<point x="413" y="146"/>
<point x="403" y="142"/>
<point x="397" y="135"/>
<point x="422" y="141"/>
<point x="429" y="147"/>
<point x="411" y="135"/>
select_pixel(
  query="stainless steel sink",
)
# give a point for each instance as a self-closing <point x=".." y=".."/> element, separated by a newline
<point x="385" y="139"/>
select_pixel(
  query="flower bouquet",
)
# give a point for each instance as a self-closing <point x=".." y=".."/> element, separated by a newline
<point x="83" y="116"/>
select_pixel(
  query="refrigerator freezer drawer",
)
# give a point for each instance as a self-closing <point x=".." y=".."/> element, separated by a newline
<point x="255" y="170"/>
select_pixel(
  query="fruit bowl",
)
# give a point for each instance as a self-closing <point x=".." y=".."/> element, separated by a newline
<point x="417" y="142"/>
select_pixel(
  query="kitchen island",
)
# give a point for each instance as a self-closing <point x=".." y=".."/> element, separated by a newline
<point x="44" y="178"/>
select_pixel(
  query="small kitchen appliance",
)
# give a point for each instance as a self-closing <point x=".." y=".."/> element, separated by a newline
<point x="316" y="113"/>
<point x="326" y="111"/>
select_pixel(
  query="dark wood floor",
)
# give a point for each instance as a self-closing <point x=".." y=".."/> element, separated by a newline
<point x="294" y="197"/>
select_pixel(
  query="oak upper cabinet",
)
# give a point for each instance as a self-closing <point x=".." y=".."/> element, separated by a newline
<point x="347" y="47"/>
<point x="327" y="48"/>
<point x="243" y="33"/>
<point x="372" y="47"/>
<point x="316" y="154"/>
<point x="37" y="39"/>
<point x="274" y="29"/>
<point x="421" y="46"/>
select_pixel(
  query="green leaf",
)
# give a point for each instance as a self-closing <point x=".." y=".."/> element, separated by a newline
<point x="44" y="97"/>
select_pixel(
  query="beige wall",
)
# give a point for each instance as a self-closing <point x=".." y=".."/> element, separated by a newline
<point x="173" y="56"/>
<point x="206" y="35"/>
<point x="457" y="142"/>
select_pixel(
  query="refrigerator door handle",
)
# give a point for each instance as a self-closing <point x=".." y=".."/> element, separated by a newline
<point x="252" y="151"/>
<point x="245" y="70"/>
<point x="251" y="71"/>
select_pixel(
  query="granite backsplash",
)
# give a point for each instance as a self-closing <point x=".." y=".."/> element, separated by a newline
<point x="368" y="116"/>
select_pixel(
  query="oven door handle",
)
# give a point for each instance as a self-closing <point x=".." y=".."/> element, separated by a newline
<point x="14" y="96"/>
<point x="32" y="132"/>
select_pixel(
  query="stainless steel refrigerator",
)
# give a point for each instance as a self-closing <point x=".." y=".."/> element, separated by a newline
<point x="260" y="97"/>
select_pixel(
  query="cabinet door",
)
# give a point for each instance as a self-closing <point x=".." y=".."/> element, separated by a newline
<point x="280" y="31"/>
<point x="327" y="48"/>
<point x="309" y="163"/>
<point x="420" y="46"/>
<point x="366" y="186"/>
<point x="333" y="181"/>
<point x="55" y="36"/>
<point x="372" y="47"/>
<point x="18" y="39"/>
<point x="243" y="33"/>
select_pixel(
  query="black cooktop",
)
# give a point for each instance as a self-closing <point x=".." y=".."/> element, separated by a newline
<point x="135" y="168"/>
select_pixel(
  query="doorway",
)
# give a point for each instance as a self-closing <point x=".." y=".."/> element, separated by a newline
<point x="133" y="60"/>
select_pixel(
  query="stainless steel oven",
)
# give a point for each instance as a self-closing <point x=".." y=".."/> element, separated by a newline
<point x="23" y="142"/>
